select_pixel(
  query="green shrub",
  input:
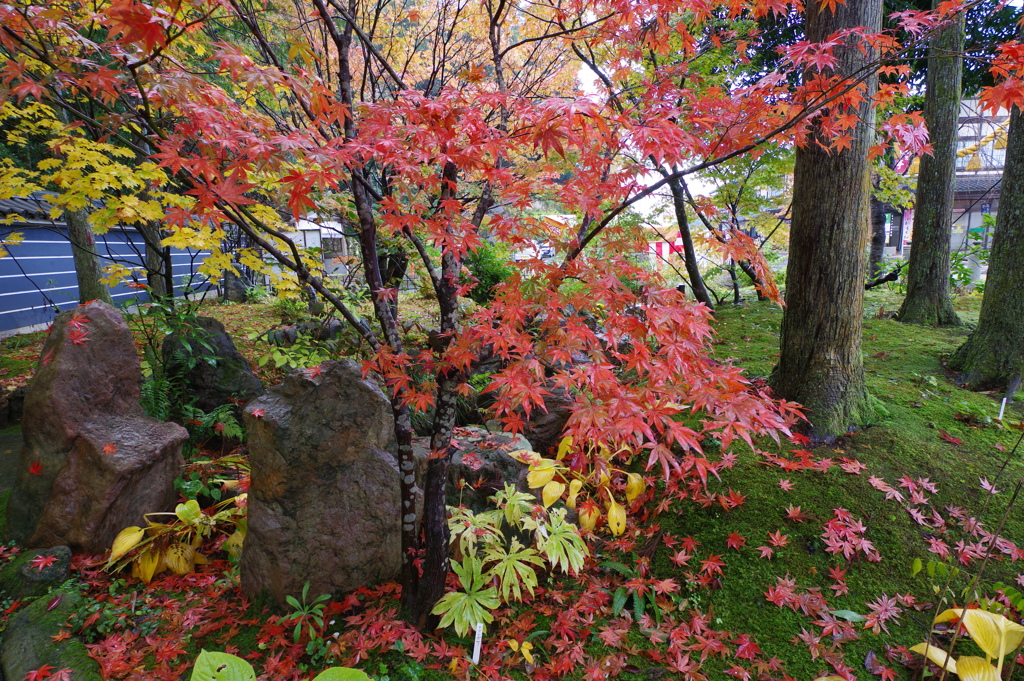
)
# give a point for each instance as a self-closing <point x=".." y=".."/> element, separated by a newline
<point x="490" y="266"/>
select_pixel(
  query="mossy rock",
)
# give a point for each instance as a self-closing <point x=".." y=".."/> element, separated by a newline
<point x="28" y="640"/>
<point x="21" y="579"/>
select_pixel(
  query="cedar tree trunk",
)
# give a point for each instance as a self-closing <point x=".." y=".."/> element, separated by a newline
<point x="820" y="363"/>
<point x="87" y="266"/>
<point x="993" y="355"/>
<point x="928" y="300"/>
<point x="877" y="252"/>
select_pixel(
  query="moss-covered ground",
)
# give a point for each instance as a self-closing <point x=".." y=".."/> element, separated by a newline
<point x="927" y="433"/>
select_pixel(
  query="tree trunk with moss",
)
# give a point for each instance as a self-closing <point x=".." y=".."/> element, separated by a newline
<point x="877" y="253"/>
<point x="87" y="265"/>
<point x="928" y="299"/>
<point x="820" y="363"/>
<point x="993" y="356"/>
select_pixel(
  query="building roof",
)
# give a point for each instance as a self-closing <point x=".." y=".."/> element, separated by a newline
<point x="34" y="206"/>
<point x="978" y="184"/>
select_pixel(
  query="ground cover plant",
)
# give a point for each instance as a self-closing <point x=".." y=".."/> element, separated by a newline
<point x="216" y="125"/>
<point x="794" y="560"/>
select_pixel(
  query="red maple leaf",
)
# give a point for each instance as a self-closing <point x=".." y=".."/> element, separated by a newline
<point x="735" y="541"/>
<point x="852" y="466"/>
<point x="78" y="321"/>
<point x="778" y="539"/>
<point x="795" y="514"/>
<point x="258" y="413"/>
<point x="949" y="438"/>
<point x="43" y="672"/>
<point x="313" y="372"/>
<point x="40" y="563"/>
<point x="109" y="448"/>
<point x="63" y="635"/>
<point x="78" y="336"/>
<point x="36" y="468"/>
<point x="48" y="357"/>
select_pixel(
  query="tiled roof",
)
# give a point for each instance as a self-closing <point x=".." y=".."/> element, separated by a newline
<point x="978" y="184"/>
<point x="34" y="206"/>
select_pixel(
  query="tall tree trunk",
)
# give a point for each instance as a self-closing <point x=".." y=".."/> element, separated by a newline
<point x="877" y="252"/>
<point x="820" y="363"/>
<point x="700" y="291"/>
<point x="928" y="299"/>
<point x="87" y="265"/>
<point x="751" y="273"/>
<point x="154" y="260"/>
<point x="993" y="355"/>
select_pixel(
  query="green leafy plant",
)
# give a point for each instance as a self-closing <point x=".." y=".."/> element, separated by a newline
<point x="211" y="478"/>
<point x="214" y="666"/>
<point x="636" y="590"/>
<point x="259" y="294"/>
<point x="98" y="619"/>
<point x="963" y="260"/>
<point x="308" y="617"/>
<point x="496" y="566"/>
<point x="490" y="266"/>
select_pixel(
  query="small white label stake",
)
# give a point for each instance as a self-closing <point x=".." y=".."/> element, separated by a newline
<point x="1001" y="409"/>
<point x="476" y="643"/>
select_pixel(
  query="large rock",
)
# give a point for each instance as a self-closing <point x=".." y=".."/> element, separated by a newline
<point x="235" y="290"/>
<point x="210" y="366"/>
<point x="544" y="428"/>
<point x="480" y="465"/>
<point x="28" y="577"/>
<point x="91" y="463"/>
<point x="29" y="640"/>
<point x="324" y="497"/>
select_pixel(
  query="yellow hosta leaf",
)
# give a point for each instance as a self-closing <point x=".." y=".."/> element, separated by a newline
<point x="950" y="615"/>
<point x="541" y="473"/>
<point x="970" y="668"/>
<point x="588" y="517"/>
<point x="563" y="447"/>
<point x="525" y="456"/>
<point x="200" y="559"/>
<point x="936" y="655"/>
<point x="147" y="565"/>
<point x="525" y="650"/>
<point x="552" y="492"/>
<point x="180" y="558"/>
<point x="126" y="540"/>
<point x="189" y="512"/>
<point x="233" y="544"/>
<point x="635" y="486"/>
<point x="616" y="518"/>
<point x="993" y="633"/>
<point x="574" y="489"/>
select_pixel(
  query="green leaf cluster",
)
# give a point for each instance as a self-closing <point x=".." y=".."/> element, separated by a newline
<point x="496" y="566"/>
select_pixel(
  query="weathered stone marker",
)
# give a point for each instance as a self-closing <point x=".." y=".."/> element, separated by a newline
<point x="324" y="498"/>
<point x="91" y="463"/>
